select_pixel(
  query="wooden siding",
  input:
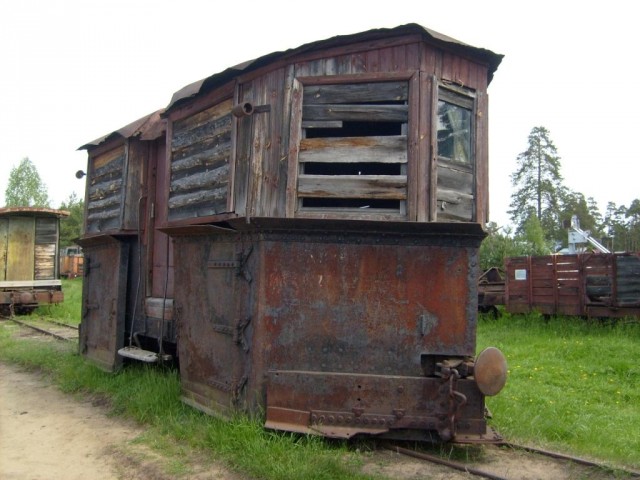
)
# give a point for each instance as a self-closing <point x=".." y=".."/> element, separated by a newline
<point x="256" y="165"/>
<point x="200" y="163"/>
<point x="105" y="192"/>
<point x="46" y="242"/>
<point x="455" y="186"/>
<point x="4" y="246"/>
<point x="262" y="145"/>
<point x="20" y="258"/>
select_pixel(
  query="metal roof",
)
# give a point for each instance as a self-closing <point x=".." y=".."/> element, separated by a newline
<point x="148" y="127"/>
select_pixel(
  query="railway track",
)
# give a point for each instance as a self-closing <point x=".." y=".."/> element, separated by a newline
<point x="58" y="330"/>
<point x="540" y="464"/>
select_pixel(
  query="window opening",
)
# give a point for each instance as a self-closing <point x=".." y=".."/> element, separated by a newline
<point x="353" y="153"/>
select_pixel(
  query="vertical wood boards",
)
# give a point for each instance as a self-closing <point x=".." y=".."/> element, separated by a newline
<point x="4" y="246"/>
<point x="20" y="255"/>
<point x="46" y="246"/>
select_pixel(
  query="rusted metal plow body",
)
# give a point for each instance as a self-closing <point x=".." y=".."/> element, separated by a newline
<point x="334" y="332"/>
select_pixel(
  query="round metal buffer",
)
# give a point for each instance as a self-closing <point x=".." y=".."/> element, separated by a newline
<point x="490" y="371"/>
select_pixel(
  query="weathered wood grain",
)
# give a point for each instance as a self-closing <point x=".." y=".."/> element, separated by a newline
<point x="207" y="179"/>
<point x="392" y="149"/>
<point x="355" y="113"/>
<point x="387" y="187"/>
<point x="356" y="93"/>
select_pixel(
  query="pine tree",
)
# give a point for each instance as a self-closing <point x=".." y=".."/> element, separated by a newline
<point x="71" y="226"/>
<point x="538" y="185"/>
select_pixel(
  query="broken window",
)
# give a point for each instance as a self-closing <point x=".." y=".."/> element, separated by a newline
<point x="353" y="151"/>
<point x="456" y="145"/>
<point x="454" y="127"/>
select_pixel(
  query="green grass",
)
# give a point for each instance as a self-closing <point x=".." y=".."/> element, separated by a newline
<point x="151" y="396"/>
<point x="573" y="384"/>
<point x="69" y="310"/>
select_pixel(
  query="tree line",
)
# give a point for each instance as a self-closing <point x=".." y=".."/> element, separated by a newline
<point x="542" y="206"/>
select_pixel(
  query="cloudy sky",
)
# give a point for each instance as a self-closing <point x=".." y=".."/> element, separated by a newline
<point x="73" y="71"/>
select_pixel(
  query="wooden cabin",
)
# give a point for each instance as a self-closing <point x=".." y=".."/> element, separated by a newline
<point x="29" y="274"/>
<point x="310" y="216"/>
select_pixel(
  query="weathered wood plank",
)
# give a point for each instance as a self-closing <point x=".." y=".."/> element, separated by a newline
<point x="355" y="92"/>
<point x="104" y="203"/>
<point x="282" y="111"/>
<point x="46" y="230"/>
<point x="45" y="256"/>
<point x="210" y="178"/>
<point x="218" y="195"/>
<point x="101" y="190"/>
<point x="210" y="114"/>
<point x="217" y="128"/>
<point x="103" y="161"/>
<point x="455" y="177"/>
<point x="392" y="149"/>
<point x="356" y="113"/>
<point x="109" y="170"/>
<point x="321" y="124"/>
<point x="211" y="158"/>
<point x="454" y="197"/>
<point x="295" y="136"/>
<point x="104" y="214"/>
<point x="386" y="187"/>
<point x="454" y="205"/>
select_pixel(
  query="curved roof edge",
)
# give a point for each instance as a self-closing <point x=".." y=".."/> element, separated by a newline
<point x="193" y="89"/>
<point x="153" y="125"/>
<point x="41" y="211"/>
<point x="148" y="127"/>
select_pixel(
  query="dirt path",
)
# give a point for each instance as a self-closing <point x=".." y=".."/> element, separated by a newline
<point x="43" y="435"/>
<point x="47" y="435"/>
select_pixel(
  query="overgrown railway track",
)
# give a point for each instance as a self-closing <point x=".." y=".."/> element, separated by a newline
<point x="495" y="470"/>
<point x="492" y="469"/>
<point x="58" y="330"/>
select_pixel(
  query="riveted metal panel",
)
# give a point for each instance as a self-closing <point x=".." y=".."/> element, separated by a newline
<point x="104" y="301"/>
<point x="261" y="313"/>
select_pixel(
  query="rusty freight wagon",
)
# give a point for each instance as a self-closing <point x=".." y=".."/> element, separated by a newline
<point x="71" y="261"/>
<point x="29" y="275"/>
<point x="302" y="232"/>
<point x="586" y="284"/>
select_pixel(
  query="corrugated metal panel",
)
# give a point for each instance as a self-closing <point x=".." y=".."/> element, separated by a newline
<point x="149" y="127"/>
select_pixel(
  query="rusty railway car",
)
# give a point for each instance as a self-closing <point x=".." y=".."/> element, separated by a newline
<point x="302" y="232"/>
<point x="29" y="274"/>
<point x="71" y="261"/>
<point x="605" y="285"/>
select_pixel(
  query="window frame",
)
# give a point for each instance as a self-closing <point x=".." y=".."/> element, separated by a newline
<point x="406" y="210"/>
<point x="467" y="98"/>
